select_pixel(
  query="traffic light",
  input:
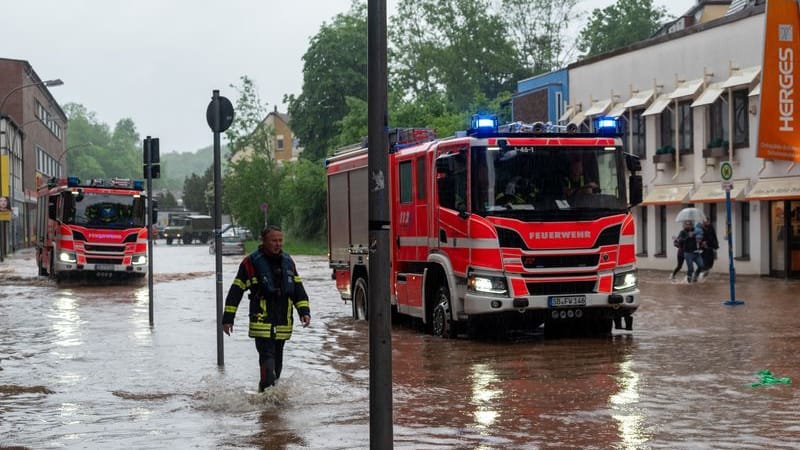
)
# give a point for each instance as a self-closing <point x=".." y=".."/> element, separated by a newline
<point x="151" y="145"/>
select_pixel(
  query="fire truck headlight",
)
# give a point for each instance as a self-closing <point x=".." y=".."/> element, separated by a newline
<point x="487" y="284"/>
<point x="625" y="280"/>
<point x="139" y="260"/>
<point x="67" y="257"/>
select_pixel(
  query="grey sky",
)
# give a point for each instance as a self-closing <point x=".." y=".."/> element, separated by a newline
<point x="157" y="61"/>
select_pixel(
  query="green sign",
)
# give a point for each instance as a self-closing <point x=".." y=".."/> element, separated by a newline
<point x="726" y="170"/>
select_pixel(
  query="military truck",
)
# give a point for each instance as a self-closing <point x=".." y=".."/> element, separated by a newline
<point x="189" y="228"/>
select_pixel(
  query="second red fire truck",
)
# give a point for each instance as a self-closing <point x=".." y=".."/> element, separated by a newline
<point x="512" y="225"/>
<point x="98" y="228"/>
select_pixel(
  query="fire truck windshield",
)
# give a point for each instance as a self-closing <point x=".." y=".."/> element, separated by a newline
<point x="525" y="181"/>
<point x="94" y="210"/>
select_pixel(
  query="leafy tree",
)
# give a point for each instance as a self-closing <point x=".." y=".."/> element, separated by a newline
<point x="194" y="191"/>
<point x="166" y="200"/>
<point x="538" y="29"/>
<point x="249" y="183"/>
<point x="303" y="196"/>
<point x="334" y="68"/>
<point x="248" y="131"/>
<point x="456" y="47"/>
<point x="618" y="25"/>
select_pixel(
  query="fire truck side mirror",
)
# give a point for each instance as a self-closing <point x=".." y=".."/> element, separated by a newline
<point x="635" y="189"/>
<point x="633" y="162"/>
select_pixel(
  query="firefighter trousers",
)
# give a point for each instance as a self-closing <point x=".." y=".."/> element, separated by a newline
<point x="270" y="360"/>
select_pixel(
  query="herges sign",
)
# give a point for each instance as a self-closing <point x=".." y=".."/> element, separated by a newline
<point x="779" y="122"/>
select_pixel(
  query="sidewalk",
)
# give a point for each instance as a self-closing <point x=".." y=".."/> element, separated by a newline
<point x="21" y="262"/>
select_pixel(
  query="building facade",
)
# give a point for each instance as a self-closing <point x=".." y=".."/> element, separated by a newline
<point x="33" y="139"/>
<point x="284" y="144"/>
<point x="691" y="100"/>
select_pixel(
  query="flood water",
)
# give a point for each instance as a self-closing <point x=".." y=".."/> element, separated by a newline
<point x="82" y="368"/>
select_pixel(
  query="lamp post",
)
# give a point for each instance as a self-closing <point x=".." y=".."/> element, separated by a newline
<point x="48" y="83"/>
<point x="85" y="144"/>
<point x="4" y="189"/>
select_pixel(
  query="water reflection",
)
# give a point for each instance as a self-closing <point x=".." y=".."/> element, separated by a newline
<point x="629" y="417"/>
<point x="483" y="393"/>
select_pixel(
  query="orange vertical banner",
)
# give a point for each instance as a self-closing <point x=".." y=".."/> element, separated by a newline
<point x="779" y="123"/>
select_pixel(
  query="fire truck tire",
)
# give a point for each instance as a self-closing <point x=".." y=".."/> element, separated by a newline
<point x="52" y="270"/>
<point x="42" y="270"/>
<point x="442" y="322"/>
<point x="360" y="303"/>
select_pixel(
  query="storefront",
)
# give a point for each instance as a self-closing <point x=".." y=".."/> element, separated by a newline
<point x="782" y="197"/>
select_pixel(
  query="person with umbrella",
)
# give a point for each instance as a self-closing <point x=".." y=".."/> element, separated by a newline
<point x="689" y="241"/>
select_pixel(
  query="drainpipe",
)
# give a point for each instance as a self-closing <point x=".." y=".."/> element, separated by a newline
<point x="677" y="141"/>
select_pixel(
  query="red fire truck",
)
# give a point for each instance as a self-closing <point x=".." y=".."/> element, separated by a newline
<point x="512" y="225"/>
<point x="97" y="229"/>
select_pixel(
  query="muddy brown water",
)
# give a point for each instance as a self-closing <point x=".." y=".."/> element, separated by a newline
<point x="82" y="368"/>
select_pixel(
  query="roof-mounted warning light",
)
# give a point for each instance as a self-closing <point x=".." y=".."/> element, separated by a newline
<point x="73" y="181"/>
<point x="608" y="126"/>
<point x="483" y="124"/>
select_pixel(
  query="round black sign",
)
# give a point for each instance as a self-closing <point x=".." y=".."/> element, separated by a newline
<point x="225" y="115"/>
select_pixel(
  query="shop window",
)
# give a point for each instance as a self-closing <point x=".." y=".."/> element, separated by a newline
<point x="638" y="141"/>
<point x="744" y="231"/>
<point x="661" y="237"/>
<point x="667" y="129"/>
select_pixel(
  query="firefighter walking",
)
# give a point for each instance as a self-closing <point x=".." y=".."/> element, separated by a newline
<point x="275" y="287"/>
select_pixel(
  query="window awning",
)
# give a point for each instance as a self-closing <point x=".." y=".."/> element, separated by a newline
<point x="577" y="119"/>
<point x="742" y="77"/>
<point x="639" y="99"/>
<point x="686" y="89"/>
<point x="616" y="110"/>
<point x="775" y="189"/>
<point x="567" y="114"/>
<point x="657" y="106"/>
<point x="714" y="192"/>
<point x="599" y="107"/>
<point x="709" y="95"/>
<point x="756" y="91"/>
<point x="668" y="194"/>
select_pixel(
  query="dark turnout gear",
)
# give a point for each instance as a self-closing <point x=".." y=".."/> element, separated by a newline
<point x="273" y="293"/>
<point x="274" y="288"/>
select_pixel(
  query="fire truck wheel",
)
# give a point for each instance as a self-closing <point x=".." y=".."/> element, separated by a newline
<point x="52" y="270"/>
<point x="442" y="321"/>
<point x="42" y="270"/>
<point x="360" y="291"/>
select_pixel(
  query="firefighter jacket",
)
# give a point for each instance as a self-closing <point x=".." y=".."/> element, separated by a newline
<point x="275" y="287"/>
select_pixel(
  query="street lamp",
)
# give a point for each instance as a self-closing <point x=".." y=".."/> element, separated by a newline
<point x="48" y="83"/>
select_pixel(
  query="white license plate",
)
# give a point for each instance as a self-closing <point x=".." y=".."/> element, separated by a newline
<point x="566" y="300"/>
<point x="104" y="267"/>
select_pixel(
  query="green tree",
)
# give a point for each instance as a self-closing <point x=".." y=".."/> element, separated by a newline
<point x="194" y="191"/>
<point x="538" y="29"/>
<point x="334" y="68"/>
<point x="250" y="183"/>
<point x="457" y="47"/>
<point x="248" y="131"/>
<point x="618" y="25"/>
<point x="303" y="194"/>
<point x="166" y="200"/>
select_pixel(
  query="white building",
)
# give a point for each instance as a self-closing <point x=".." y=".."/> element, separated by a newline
<point x="674" y="89"/>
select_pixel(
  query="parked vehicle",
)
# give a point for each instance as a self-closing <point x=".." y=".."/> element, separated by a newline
<point x="231" y="242"/>
<point x="468" y="247"/>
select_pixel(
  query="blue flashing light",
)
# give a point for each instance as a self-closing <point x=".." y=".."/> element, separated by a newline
<point x="607" y="125"/>
<point x="73" y="181"/>
<point x="484" y="123"/>
<point x="138" y="185"/>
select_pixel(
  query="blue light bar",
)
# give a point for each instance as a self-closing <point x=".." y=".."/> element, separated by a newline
<point x="484" y="122"/>
<point x="73" y="181"/>
<point x="608" y="125"/>
<point x="138" y="185"/>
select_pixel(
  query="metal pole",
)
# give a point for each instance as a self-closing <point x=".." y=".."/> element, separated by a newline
<point x="379" y="309"/>
<point x="731" y="269"/>
<point x="148" y="156"/>
<point x="217" y="227"/>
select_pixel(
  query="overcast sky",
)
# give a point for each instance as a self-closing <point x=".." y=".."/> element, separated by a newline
<point x="157" y="61"/>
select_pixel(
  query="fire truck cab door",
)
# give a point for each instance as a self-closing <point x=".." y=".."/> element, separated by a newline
<point x="451" y="205"/>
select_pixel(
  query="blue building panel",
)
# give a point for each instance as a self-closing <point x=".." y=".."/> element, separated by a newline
<point x="541" y="98"/>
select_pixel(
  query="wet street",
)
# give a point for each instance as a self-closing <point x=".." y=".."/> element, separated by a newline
<point x="80" y="367"/>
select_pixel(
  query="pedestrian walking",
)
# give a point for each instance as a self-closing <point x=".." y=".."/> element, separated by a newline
<point x="275" y="287"/>
<point x="679" y="245"/>
<point x="691" y="251"/>
<point x="709" y="245"/>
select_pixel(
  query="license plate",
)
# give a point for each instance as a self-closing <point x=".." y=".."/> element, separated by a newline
<point x="104" y="267"/>
<point x="566" y="300"/>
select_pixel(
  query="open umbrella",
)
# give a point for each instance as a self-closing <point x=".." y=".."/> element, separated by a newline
<point x="693" y="214"/>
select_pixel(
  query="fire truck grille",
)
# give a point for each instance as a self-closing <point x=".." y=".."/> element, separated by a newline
<point x="120" y="249"/>
<point x="558" y="261"/>
<point x="91" y="260"/>
<point x="561" y="288"/>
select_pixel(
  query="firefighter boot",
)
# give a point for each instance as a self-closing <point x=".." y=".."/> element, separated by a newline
<point x="267" y="376"/>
